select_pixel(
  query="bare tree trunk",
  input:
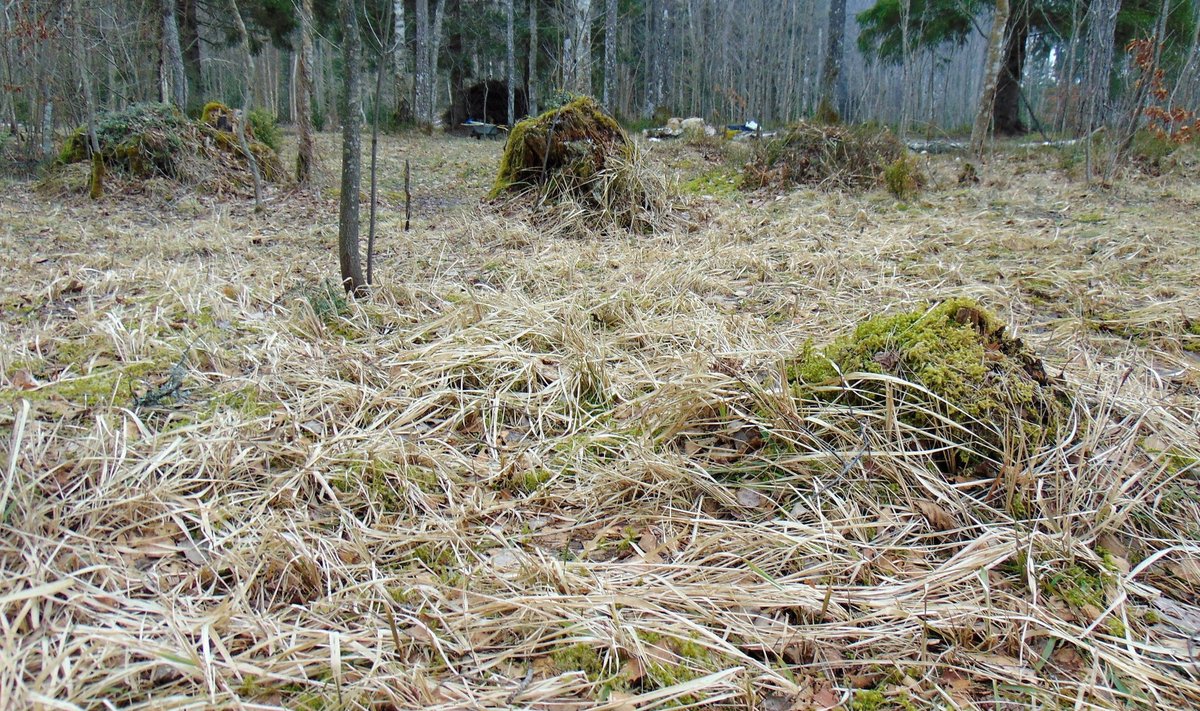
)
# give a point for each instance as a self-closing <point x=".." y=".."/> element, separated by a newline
<point x="532" y="93"/>
<point x="995" y="63"/>
<point x="348" y="214"/>
<point x="1101" y="26"/>
<point x="9" y="107"/>
<point x="384" y="51"/>
<point x="577" y="49"/>
<point x="400" y="61"/>
<point x="655" y="59"/>
<point x="435" y="51"/>
<point x="610" y="55"/>
<point x="96" y="187"/>
<point x="305" y="162"/>
<point x="1006" y="107"/>
<point x="510" y="61"/>
<point x="247" y="82"/>
<point x="832" y="87"/>
<point x="424" y="82"/>
<point x="173" y="75"/>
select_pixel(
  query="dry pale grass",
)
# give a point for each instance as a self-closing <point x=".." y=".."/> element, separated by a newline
<point x="547" y="473"/>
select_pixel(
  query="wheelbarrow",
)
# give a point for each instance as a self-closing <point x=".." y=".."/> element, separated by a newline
<point x="480" y="130"/>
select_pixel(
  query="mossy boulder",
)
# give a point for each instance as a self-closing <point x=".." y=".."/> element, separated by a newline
<point x="824" y="155"/>
<point x="151" y="140"/>
<point x="986" y="382"/>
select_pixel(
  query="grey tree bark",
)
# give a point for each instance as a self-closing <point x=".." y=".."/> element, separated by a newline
<point x="577" y="49"/>
<point x="610" y="55"/>
<point x="247" y="82"/>
<point x="995" y="62"/>
<point x="1101" y="22"/>
<point x="832" y="86"/>
<point x="348" y="214"/>
<point x="435" y="51"/>
<point x="305" y="163"/>
<point x="510" y="62"/>
<point x="532" y="93"/>
<point x="400" y="65"/>
<point x="96" y="187"/>
<point x="174" y="75"/>
<point x="423" y="100"/>
<point x="654" y="56"/>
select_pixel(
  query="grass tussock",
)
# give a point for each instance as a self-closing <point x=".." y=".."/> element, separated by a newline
<point x="825" y="155"/>
<point x="540" y="472"/>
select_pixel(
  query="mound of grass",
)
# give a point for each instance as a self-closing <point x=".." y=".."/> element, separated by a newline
<point x="975" y="382"/>
<point x="825" y="155"/>
<point x="147" y="141"/>
<point x="579" y="157"/>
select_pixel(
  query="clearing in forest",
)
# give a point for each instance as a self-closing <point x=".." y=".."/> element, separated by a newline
<point x="803" y="448"/>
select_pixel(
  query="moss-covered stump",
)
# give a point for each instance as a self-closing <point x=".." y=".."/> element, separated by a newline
<point x="832" y="156"/>
<point x="578" y="155"/>
<point x="976" y="386"/>
<point x="564" y="149"/>
<point x="221" y="123"/>
<point x="148" y="141"/>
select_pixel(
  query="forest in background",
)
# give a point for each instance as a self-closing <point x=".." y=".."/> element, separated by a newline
<point x="916" y="65"/>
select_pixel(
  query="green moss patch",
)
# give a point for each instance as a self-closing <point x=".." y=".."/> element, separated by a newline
<point x="987" y="383"/>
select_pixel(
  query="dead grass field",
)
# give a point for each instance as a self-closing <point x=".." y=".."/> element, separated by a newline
<point x="559" y="472"/>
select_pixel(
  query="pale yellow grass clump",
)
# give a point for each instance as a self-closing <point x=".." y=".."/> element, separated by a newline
<point x="547" y="473"/>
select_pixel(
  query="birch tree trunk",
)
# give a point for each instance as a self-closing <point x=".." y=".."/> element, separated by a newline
<point x="610" y="55"/>
<point x="400" y="65"/>
<point x="532" y="92"/>
<point x="578" y="49"/>
<point x="174" y="75"/>
<point x="247" y="82"/>
<point x="995" y="62"/>
<point x="510" y="62"/>
<point x="305" y="163"/>
<point x="348" y="213"/>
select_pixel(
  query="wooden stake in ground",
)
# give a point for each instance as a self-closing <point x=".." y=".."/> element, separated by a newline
<point x="407" y="195"/>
